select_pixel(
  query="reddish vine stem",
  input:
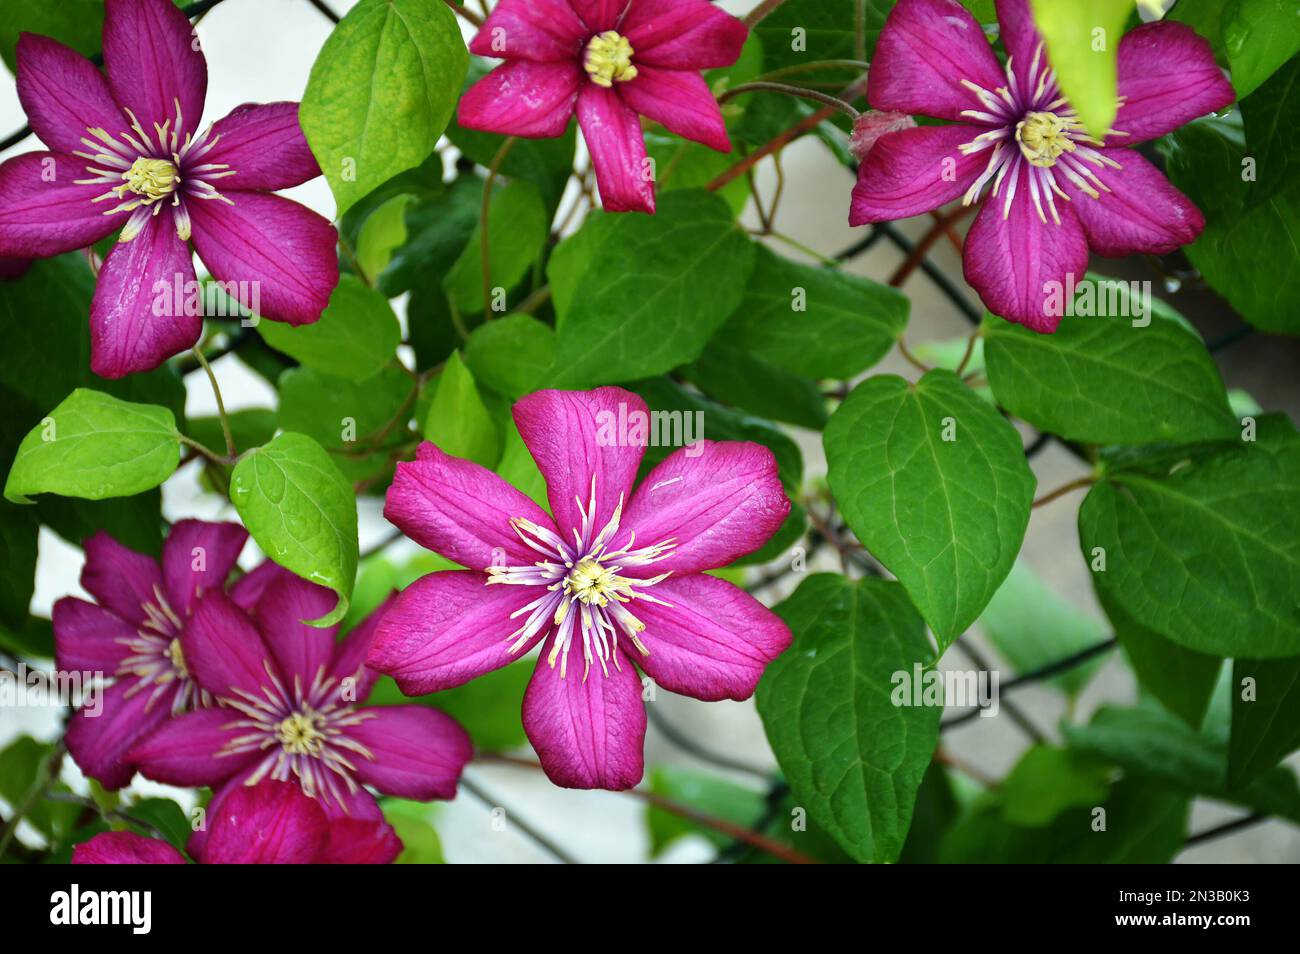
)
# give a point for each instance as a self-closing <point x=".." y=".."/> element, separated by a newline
<point x="468" y="14"/>
<point x="772" y="147"/>
<point x="942" y="224"/>
<point x="1063" y="490"/>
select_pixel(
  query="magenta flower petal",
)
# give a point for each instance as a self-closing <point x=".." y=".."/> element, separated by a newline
<point x="271" y="823"/>
<point x="353" y="841"/>
<point x="580" y="449"/>
<point x="418" y="752"/>
<point x="1019" y="35"/>
<point x="44" y="212"/>
<point x="683" y="34"/>
<point x="88" y="638"/>
<point x="284" y="250"/>
<point x="461" y="510"/>
<point x="132" y="326"/>
<point x="197" y="557"/>
<point x="300" y="651"/>
<point x="1167" y="77"/>
<point x="588" y="732"/>
<point x="600" y="15"/>
<point x="613" y="134"/>
<point x="350" y="655"/>
<point x="913" y="171"/>
<point x="125" y="848"/>
<point x="520" y="98"/>
<point x="1011" y="259"/>
<point x="715" y="501"/>
<point x="248" y="589"/>
<point x="714" y="640"/>
<point x="264" y="146"/>
<point x="925" y="51"/>
<point x="681" y="102"/>
<point x="101" y="743"/>
<point x="153" y="61"/>
<point x="1140" y="213"/>
<point x="120" y="579"/>
<point x="540" y="30"/>
<point x="223" y="649"/>
<point x="448" y="628"/>
<point x="185" y="751"/>
<point x="63" y="94"/>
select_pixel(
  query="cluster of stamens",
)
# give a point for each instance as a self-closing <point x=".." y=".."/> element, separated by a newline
<point x="142" y="171"/>
<point x="608" y="59"/>
<point x="156" y="661"/>
<point x="301" y="730"/>
<point x="585" y="593"/>
<point x="1035" y="126"/>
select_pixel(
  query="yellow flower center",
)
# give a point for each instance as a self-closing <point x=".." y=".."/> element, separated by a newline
<point x="609" y="59"/>
<point x="154" y="179"/>
<point x="590" y="582"/>
<point x="177" y="656"/>
<point x="1043" y="137"/>
<point x="301" y="733"/>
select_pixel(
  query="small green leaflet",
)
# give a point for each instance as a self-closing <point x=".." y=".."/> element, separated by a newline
<point x="1082" y="38"/>
<point x="852" y="756"/>
<point x="356" y="335"/>
<point x="935" y="484"/>
<point x="302" y="513"/>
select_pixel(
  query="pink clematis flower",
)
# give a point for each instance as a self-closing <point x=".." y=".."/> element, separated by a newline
<point x="1055" y="191"/>
<point x="132" y="634"/>
<point x="290" y="708"/>
<point x="615" y="578"/>
<point x="264" y="824"/>
<point x="127" y="153"/>
<point x="608" y="61"/>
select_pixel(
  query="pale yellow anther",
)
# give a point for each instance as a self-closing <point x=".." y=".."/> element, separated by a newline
<point x="609" y="59"/>
<point x="1043" y="137"/>
<point x="301" y="734"/>
<point x="590" y="582"/>
<point x="175" y="654"/>
<point x="153" y="179"/>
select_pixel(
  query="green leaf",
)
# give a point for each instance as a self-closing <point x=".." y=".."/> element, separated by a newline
<point x="1265" y="726"/>
<point x="18" y="532"/>
<point x="1082" y="38"/>
<point x="517" y="229"/>
<point x="638" y="295"/>
<point x="339" y="413"/>
<point x="31" y="638"/>
<point x="708" y="794"/>
<point x="1250" y="249"/>
<point x="1101" y="380"/>
<point x="815" y="322"/>
<point x="809" y="31"/>
<point x="1151" y="743"/>
<point x="356" y="335"/>
<point x="458" y="421"/>
<point x="381" y="92"/>
<point x="737" y="378"/>
<point x="1206" y="552"/>
<point x="165" y="815"/>
<point x="1259" y="35"/>
<point x="1032" y="628"/>
<point x="1144" y="824"/>
<point x="300" y="510"/>
<point x="682" y="164"/>
<point x="1272" y="133"/>
<point x="512" y="355"/>
<point x="438" y="229"/>
<point x="1047" y="781"/>
<point x="413" y="823"/>
<point x="94" y="446"/>
<point x="518" y="468"/>
<point x="382" y="234"/>
<point x="851" y="756"/>
<point x="75" y="23"/>
<point x="946" y="517"/>
<point x="1183" y="680"/>
<point x="24" y="766"/>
